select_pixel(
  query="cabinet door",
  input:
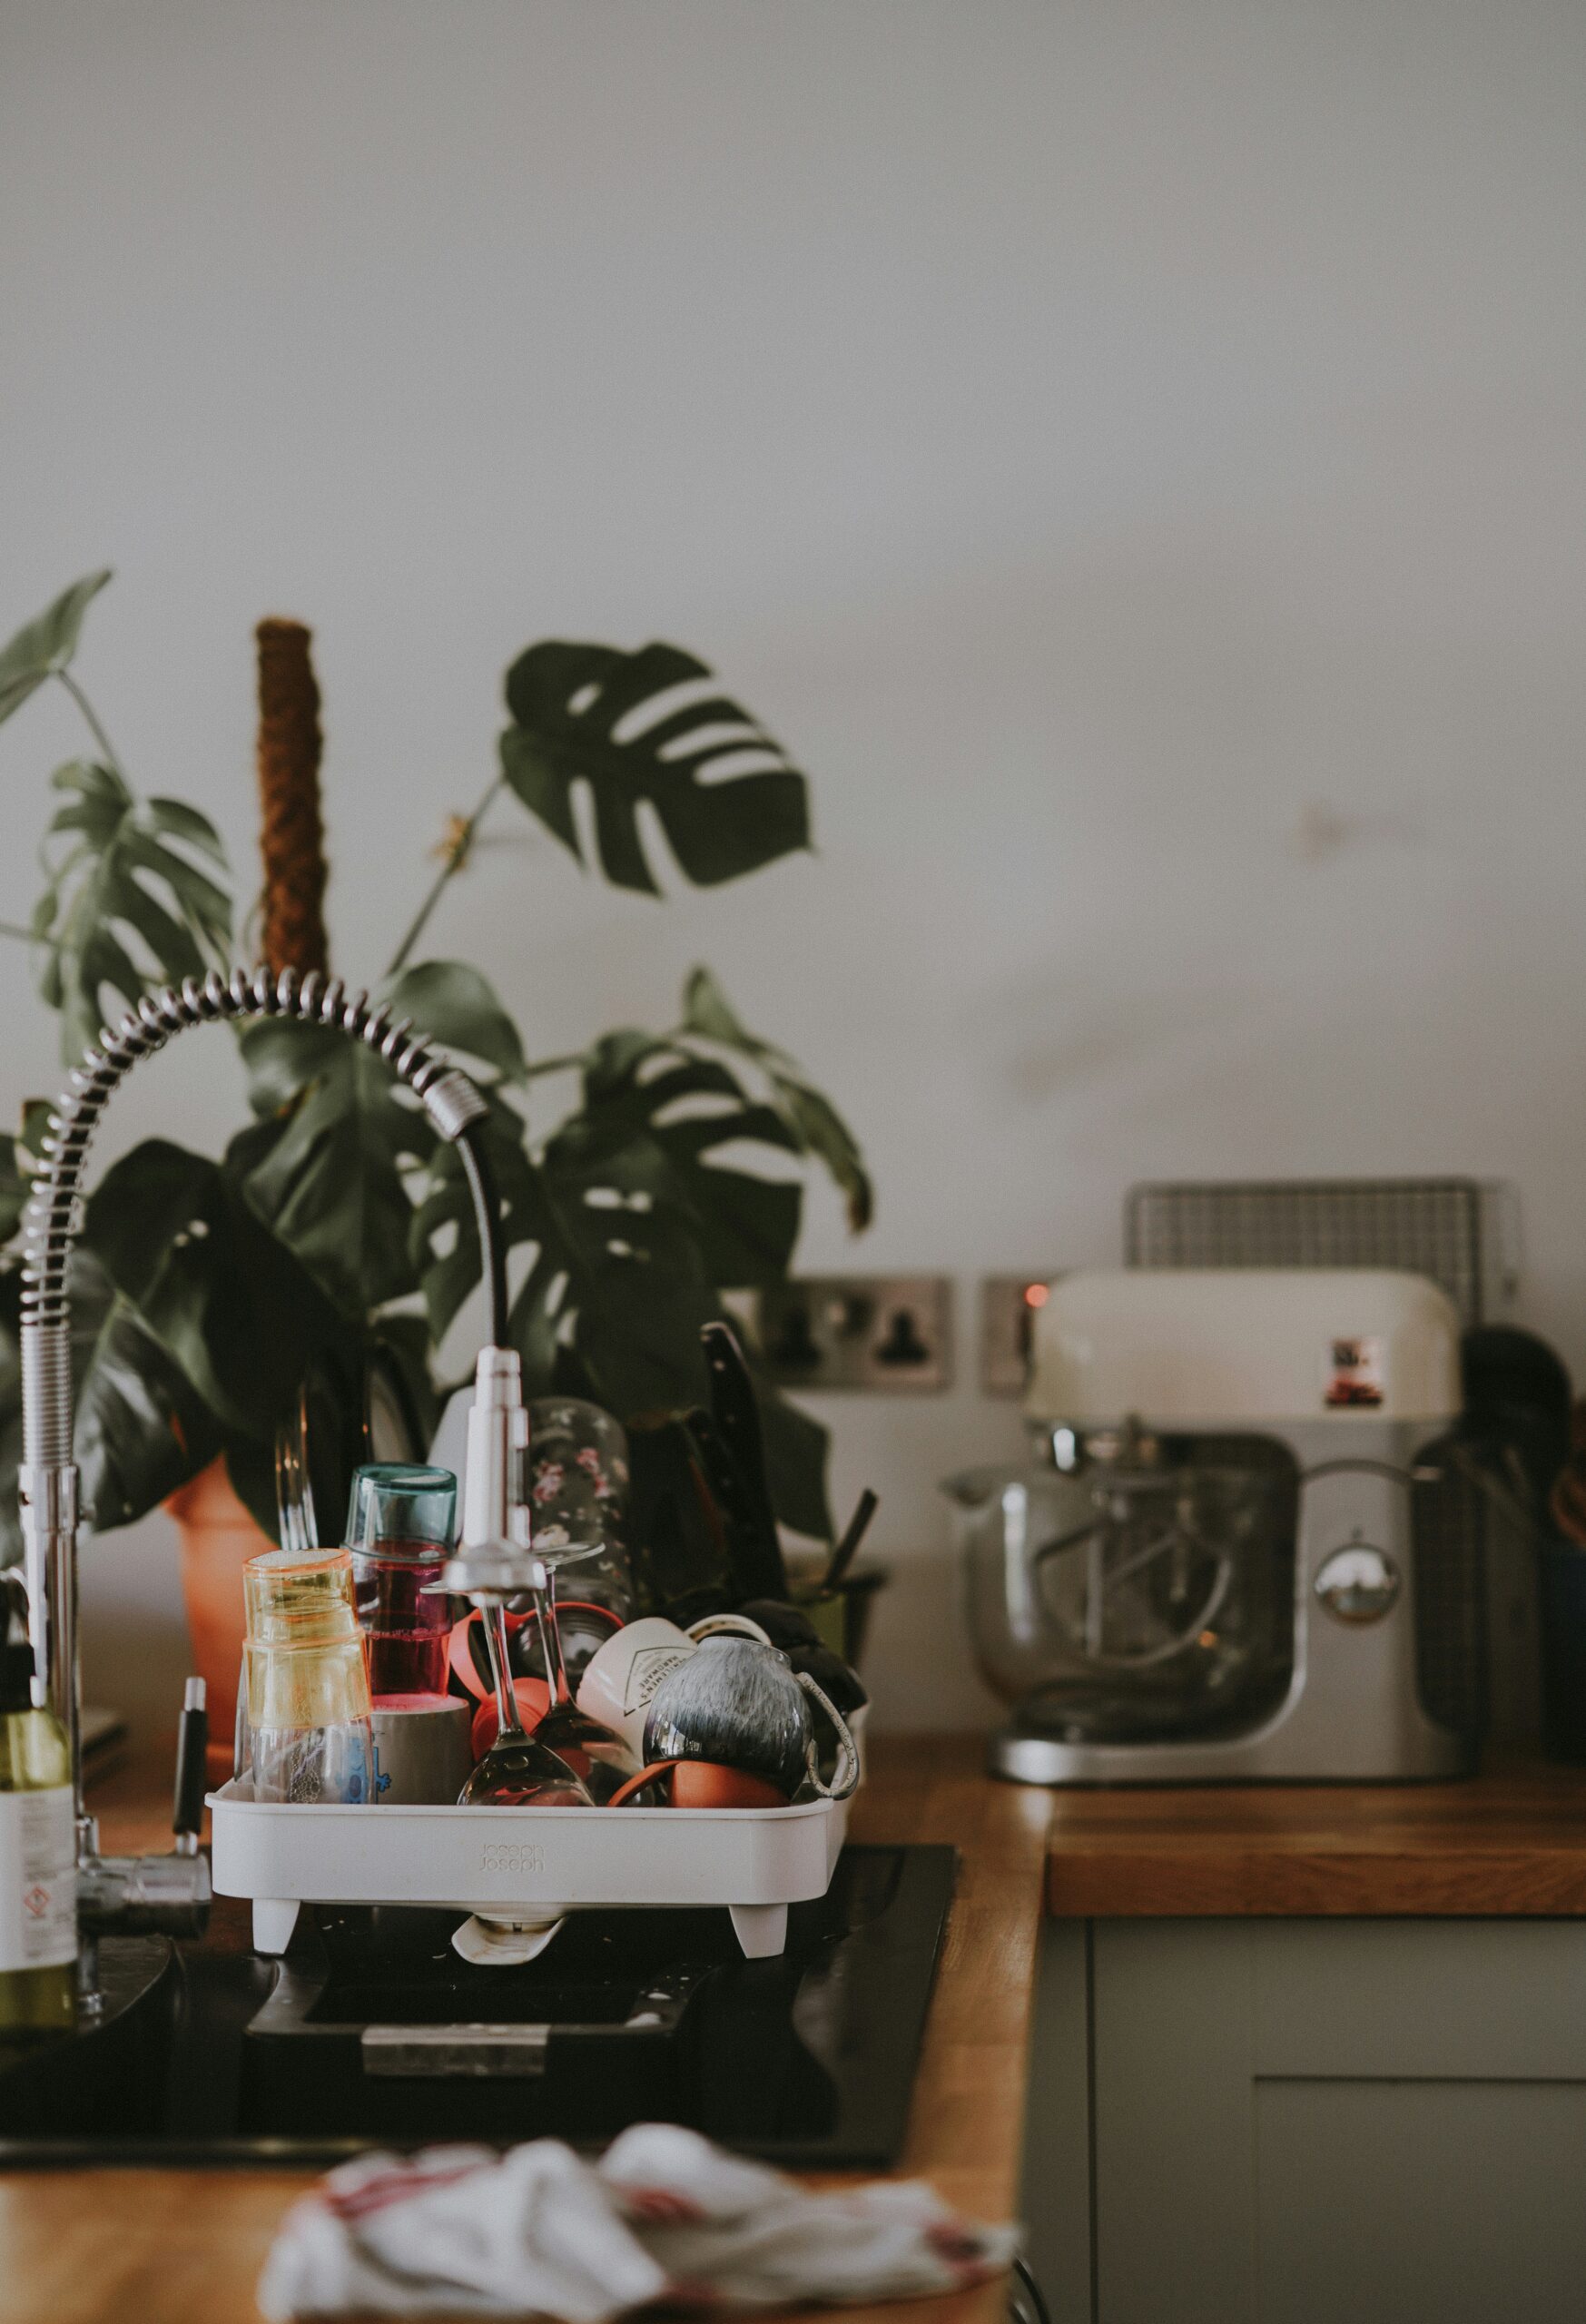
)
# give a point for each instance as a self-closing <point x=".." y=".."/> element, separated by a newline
<point x="1304" y="2123"/>
<point x="1055" y="2202"/>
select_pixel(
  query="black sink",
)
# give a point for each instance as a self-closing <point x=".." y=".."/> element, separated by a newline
<point x="373" y="2032"/>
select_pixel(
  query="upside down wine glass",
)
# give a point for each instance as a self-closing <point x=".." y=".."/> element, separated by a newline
<point x="518" y="1770"/>
<point x="600" y="1758"/>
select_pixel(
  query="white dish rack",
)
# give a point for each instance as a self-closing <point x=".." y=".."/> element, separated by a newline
<point x="526" y="1865"/>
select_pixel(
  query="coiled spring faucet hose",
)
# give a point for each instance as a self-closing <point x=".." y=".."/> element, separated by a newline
<point x="47" y="1480"/>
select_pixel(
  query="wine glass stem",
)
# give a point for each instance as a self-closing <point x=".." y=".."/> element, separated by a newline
<point x="506" y="1693"/>
<point x="550" y="1631"/>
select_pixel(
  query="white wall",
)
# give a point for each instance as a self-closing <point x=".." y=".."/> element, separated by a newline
<point x="1131" y="453"/>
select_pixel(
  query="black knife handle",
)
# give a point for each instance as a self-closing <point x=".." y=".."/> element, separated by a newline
<point x="191" y="1740"/>
<point x="736" y="1413"/>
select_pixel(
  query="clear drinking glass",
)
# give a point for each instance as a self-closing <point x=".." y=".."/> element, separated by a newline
<point x="313" y="1765"/>
<point x="401" y="1521"/>
<point x="305" y="1680"/>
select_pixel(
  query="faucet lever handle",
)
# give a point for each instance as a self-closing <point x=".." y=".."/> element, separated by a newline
<point x="191" y="1741"/>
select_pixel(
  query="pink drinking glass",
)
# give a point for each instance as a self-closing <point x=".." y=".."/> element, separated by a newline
<point x="401" y="1521"/>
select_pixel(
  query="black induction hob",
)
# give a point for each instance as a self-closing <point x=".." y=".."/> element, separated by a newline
<point x="373" y="2032"/>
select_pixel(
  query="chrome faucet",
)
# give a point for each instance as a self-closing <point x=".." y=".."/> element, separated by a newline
<point x="170" y="1894"/>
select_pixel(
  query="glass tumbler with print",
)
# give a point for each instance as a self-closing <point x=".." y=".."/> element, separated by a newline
<point x="578" y="1490"/>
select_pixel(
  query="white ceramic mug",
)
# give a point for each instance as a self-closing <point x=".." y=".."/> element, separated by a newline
<point x="621" y="1677"/>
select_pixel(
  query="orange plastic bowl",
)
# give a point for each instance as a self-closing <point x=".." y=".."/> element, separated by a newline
<point x="698" y="1783"/>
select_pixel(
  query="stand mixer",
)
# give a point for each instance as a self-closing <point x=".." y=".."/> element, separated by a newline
<point x="1248" y="1549"/>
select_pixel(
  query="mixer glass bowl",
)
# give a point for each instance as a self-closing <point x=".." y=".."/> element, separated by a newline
<point x="1140" y="1596"/>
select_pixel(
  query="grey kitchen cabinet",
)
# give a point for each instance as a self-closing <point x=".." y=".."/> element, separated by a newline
<point x="1319" y="2122"/>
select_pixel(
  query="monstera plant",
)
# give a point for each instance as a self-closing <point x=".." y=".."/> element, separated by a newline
<point x="334" y="1232"/>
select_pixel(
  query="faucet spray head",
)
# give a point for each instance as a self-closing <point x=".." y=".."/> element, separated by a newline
<point x="495" y="1558"/>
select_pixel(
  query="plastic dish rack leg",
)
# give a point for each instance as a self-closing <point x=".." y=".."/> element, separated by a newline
<point x="761" y="1929"/>
<point x="274" y="1919"/>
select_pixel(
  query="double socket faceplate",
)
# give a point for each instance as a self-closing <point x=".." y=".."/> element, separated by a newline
<point x="892" y="1333"/>
<point x="888" y="1333"/>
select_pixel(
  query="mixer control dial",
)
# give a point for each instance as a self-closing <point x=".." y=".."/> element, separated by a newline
<point x="1358" y="1583"/>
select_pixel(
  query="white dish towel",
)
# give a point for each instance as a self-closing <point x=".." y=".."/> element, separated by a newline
<point x="663" y="2215"/>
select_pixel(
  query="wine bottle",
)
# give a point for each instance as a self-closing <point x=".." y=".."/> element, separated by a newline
<point x="38" y="1877"/>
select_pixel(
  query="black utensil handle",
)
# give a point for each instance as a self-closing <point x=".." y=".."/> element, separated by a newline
<point x="847" y="1549"/>
<point x="191" y="1741"/>
<point x="737" y="1413"/>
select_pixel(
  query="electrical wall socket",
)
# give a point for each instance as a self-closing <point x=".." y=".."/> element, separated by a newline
<point x="887" y="1333"/>
<point x="1008" y="1307"/>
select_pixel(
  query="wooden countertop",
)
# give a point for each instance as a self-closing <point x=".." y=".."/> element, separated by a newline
<point x="177" y="2247"/>
<point x="182" y="2247"/>
<point x="1511" y="1843"/>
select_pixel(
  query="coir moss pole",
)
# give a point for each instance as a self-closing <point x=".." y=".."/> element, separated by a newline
<point x="292" y="837"/>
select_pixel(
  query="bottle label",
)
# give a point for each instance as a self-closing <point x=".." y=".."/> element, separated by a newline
<point x="38" y="1879"/>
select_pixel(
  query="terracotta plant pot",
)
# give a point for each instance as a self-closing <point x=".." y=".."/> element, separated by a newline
<point x="218" y="1538"/>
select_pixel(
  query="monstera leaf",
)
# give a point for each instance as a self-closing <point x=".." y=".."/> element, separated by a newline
<point x="456" y="1006"/>
<point x="578" y="715"/>
<point x="646" y="1225"/>
<point x="656" y="1217"/>
<point x="140" y="1430"/>
<point x="637" y="1224"/>
<point x="325" y="1165"/>
<point x="645" y="1228"/>
<point x="652" y="1129"/>
<point x="813" y="1120"/>
<point x="625" y="1203"/>
<point x="237" y="1313"/>
<point x="120" y="880"/>
<point x="45" y="647"/>
<point x="639" y="1212"/>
